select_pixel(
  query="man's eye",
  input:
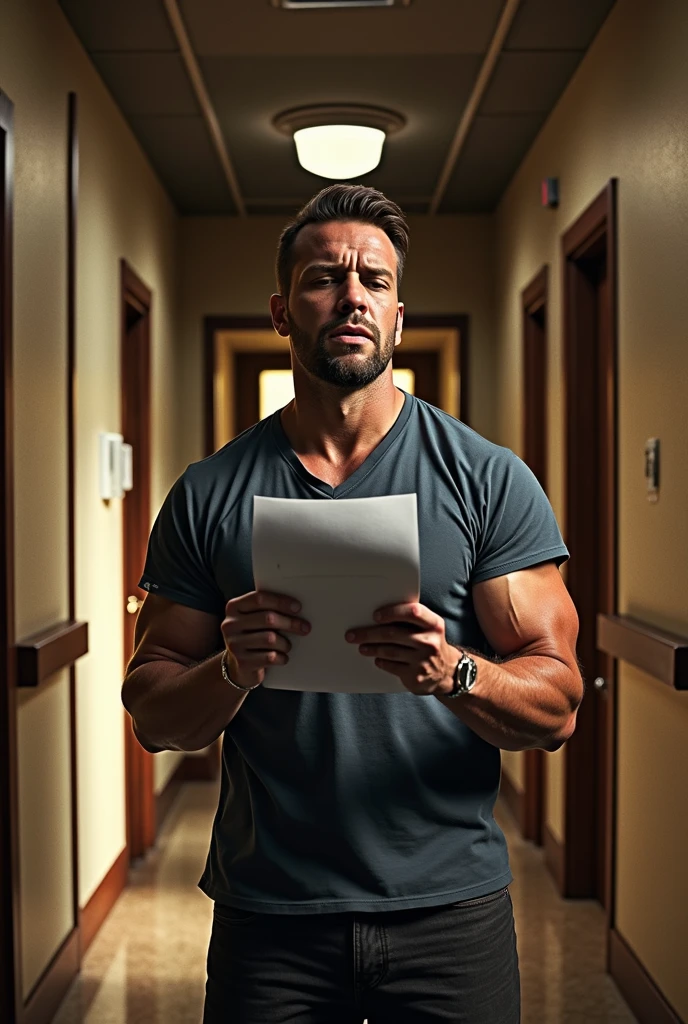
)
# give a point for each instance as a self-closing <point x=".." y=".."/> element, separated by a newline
<point x="377" y="284"/>
<point x="323" y="281"/>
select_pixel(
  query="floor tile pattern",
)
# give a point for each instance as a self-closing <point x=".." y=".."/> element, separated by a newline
<point x="147" y="964"/>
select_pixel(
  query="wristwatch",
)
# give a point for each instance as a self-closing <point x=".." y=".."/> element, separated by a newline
<point x="465" y="675"/>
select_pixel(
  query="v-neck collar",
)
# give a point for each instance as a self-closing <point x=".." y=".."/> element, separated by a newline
<point x="366" y="467"/>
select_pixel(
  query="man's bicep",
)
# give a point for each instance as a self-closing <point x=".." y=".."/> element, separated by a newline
<point x="529" y="611"/>
<point x="165" y="629"/>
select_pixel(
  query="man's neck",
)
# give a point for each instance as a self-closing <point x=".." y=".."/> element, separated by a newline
<point x="333" y="433"/>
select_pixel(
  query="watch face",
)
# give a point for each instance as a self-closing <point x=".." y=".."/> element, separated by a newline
<point x="468" y="671"/>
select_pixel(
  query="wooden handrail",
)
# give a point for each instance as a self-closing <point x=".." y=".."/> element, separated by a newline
<point x="41" y="655"/>
<point x="661" y="654"/>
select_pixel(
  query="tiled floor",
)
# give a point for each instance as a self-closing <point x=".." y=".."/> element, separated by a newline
<point x="147" y="964"/>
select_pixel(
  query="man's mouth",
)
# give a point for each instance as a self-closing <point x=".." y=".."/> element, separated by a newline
<point x="351" y="333"/>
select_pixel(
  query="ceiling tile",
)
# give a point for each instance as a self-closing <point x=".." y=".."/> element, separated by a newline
<point x="493" y="150"/>
<point x="241" y="27"/>
<point x="180" y="150"/>
<point x="563" y="25"/>
<point x="120" y="25"/>
<point x="248" y="92"/>
<point x="147" y="83"/>
<point x="528" y="83"/>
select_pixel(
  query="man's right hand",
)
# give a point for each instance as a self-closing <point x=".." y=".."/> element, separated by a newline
<point x="253" y="630"/>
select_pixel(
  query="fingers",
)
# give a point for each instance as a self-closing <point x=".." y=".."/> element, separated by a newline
<point x="262" y="600"/>
<point x="261" y="620"/>
<point x="253" y="661"/>
<point x="259" y="611"/>
<point x="412" y="612"/>
<point x="386" y="652"/>
<point x="265" y="641"/>
<point x="252" y="631"/>
<point x="399" y="635"/>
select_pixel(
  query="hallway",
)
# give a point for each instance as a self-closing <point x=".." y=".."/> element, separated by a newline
<point x="147" y="965"/>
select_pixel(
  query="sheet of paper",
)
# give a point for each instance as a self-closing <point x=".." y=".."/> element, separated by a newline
<point x="343" y="560"/>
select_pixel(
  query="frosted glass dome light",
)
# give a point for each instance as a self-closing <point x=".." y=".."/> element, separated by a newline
<point x="339" y="151"/>
<point x="339" y="140"/>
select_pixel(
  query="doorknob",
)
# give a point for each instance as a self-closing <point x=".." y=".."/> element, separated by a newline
<point x="133" y="604"/>
<point x="600" y="684"/>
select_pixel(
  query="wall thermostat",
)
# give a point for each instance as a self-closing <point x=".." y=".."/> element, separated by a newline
<point x="115" y="466"/>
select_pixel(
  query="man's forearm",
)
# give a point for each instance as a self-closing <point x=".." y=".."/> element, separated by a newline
<point x="176" y="707"/>
<point x="528" y="701"/>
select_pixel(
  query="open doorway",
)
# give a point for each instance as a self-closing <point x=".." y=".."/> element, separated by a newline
<point x="590" y="317"/>
<point x="245" y="355"/>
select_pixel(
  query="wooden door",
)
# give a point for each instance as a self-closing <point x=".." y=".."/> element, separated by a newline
<point x="534" y="319"/>
<point x="425" y="367"/>
<point x="589" y="257"/>
<point x="136" y="312"/>
<point x="248" y="367"/>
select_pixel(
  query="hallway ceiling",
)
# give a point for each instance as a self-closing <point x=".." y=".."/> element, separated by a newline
<point x="257" y="60"/>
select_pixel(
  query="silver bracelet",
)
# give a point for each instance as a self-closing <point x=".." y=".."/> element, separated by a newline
<point x="228" y="679"/>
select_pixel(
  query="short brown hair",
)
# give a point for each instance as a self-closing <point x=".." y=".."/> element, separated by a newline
<point x="345" y="202"/>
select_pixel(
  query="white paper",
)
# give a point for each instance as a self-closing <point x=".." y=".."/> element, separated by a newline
<point x="342" y="560"/>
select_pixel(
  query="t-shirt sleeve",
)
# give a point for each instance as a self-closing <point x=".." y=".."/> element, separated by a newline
<point x="519" y="529"/>
<point x="177" y="563"/>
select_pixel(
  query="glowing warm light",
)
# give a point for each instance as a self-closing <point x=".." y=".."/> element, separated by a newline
<point x="404" y="379"/>
<point x="276" y="388"/>
<point x="339" y="151"/>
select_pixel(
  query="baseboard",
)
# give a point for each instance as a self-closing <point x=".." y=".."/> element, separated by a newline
<point x="554" y="857"/>
<point x="636" y="986"/>
<point x="103" y="900"/>
<point x="165" y="799"/>
<point x="514" y="799"/>
<point x="50" y="990"/>
<point x="200" y="769"/>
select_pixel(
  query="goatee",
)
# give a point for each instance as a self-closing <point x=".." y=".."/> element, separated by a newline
<point x="337" y="370"/>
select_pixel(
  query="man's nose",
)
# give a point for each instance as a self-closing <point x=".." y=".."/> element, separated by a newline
<point x="353" y="296"/>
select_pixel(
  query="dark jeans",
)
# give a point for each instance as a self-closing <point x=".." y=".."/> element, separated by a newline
<point x="454" y="963"/>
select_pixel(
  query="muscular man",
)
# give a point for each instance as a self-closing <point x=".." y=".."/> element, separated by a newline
<point x="355" y="865"/>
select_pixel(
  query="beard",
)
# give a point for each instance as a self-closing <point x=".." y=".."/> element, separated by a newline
<point x="337" y="370"/>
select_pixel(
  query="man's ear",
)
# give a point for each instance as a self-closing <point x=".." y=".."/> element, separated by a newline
<point x="399" y="325"/>
<point x="280" y="316"/>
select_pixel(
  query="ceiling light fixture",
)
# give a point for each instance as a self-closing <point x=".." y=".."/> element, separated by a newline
<point x="339" y="140"/>
<point x="304" y="5"/>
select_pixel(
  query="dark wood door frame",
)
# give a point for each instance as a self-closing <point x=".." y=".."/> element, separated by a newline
<point x="212" y="324"/>
<point x="248" y="368"/>
<point x="535" y="356"/>
<point x="136" y="302"/>
<point x="591" y="438"/>
<point x="10" y="935"/>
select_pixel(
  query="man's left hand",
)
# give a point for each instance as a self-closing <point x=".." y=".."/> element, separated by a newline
<point x="409" y="641"/>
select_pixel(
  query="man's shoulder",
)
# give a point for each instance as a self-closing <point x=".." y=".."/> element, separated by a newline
<point x="470" y="448"/>
<point x="217" y="466"/>
<point x="211" y="485"/>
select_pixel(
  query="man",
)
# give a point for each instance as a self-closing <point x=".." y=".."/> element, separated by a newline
<point x="356" y="867"/>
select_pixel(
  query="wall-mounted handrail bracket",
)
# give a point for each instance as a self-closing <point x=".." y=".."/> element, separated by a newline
<point x="41" y="655"/>
<point x="658" y="652"/>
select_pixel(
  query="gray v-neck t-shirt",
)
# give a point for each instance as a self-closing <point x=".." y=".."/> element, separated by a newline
<point x="352" y="802"/>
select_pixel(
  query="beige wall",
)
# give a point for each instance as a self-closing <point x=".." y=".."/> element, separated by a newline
<point x="123" y="212"/>
<point x="625" y="114"/>
<point x="228" y="268"/>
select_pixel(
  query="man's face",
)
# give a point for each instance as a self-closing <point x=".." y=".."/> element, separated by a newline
<point x="342" y="313"/>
